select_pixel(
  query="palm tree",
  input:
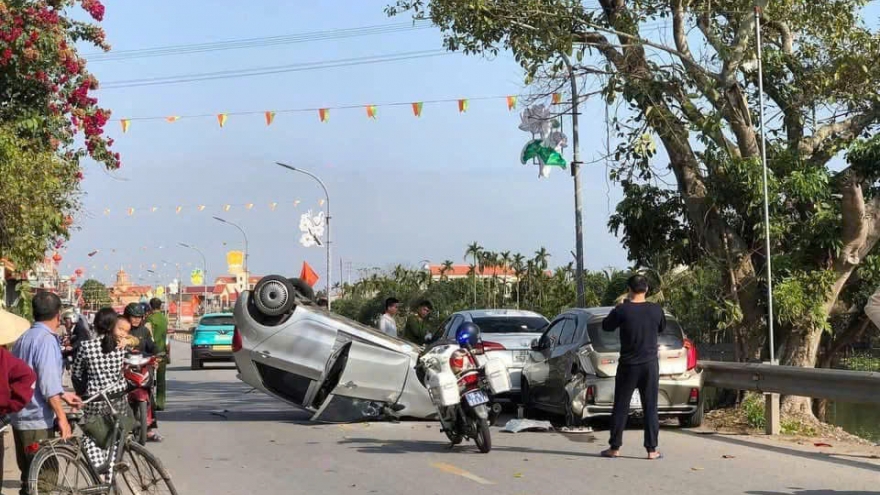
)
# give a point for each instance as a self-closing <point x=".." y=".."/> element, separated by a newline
<point x="505" y="260"/>
<point x="446" y="267"/>
<point x="474" y="251"/>
<point x="542" y="257"/>
<point x="519" y="269"/>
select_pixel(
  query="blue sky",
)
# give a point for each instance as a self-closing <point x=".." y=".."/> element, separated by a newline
<point x="402" y="189"/>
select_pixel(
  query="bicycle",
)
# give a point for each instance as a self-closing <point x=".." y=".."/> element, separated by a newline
<point x="140" y="470"/>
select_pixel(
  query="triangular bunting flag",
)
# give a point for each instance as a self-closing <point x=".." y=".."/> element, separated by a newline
<point x="153" y="209"/>
<point x="106" y="211"/>
<point x="270" y="117"/>
<point x="557" y="98"/>
<point x="417" y="108"/>
<point x="179" y="208"/>
<point x="201" y="207"/>
<point x="172" y="118"/>
<point x="320" y="202"/>
<point x="296" y="203"/>
<point x="272" y="206"/>
<point x="371" y="111"/>
<point x="249" y="206"/>
<point x="130" y="211"/>
<point x="221" y="118"/>
<point x="125" y="123"/>
<point x="463" y="105"/>
<point x="324" y="114"/>
<point x="511" y="102"/>
<point x="308" y="275"/>
<point x="227" y="207"/>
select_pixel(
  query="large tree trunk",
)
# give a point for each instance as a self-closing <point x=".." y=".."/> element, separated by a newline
<point x="800" y="349"/>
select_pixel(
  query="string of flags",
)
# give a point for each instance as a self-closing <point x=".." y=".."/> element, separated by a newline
<point x="178" y="209"/>
<point x="323" y="113"/>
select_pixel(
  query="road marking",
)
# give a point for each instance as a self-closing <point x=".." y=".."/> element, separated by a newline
<point x="449" y="468"/>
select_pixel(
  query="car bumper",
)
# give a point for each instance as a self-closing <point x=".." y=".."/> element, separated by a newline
<point x="209" y="353"/>
<point x="674" y="398"/>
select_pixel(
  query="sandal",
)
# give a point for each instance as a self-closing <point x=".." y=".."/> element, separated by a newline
<point x="610" y="454"/>
<point x="655" y="457"/>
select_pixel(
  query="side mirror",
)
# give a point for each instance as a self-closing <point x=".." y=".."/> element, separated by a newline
<point x="536" y="345"/>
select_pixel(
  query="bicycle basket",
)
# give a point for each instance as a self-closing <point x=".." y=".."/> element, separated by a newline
<point x="99" y="427"/>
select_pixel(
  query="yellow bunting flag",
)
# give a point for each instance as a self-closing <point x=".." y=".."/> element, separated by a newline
<point x="320" y="202"/>
<point x="417" y="108"/>
<point x="296" y="203"/>
<point x="172" y="118"/>
<point x="511" y="102"/>
<point x="249" y="206"/>
<point x="153" y="209"/>
<point x="221" y="118"/>
<point x="130" y="211"/>
<point x="324" y="114"/>
<point x="179" y="208"/>
<point x="272" y="206"/>
<point x="201" y="207"/>
<point x="463" y="105"/>
<point x="106" y="211"/>
<point x="226" y="207"/>
<point x="557" y="98"/>
<point x="270" y="117"/>
<point x="106" y="267"/>
<point x="125" y="123"/>
<point x="371" y="111"/>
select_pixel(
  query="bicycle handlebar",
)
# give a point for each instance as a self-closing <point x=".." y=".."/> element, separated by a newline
<point x="107" y="396"/>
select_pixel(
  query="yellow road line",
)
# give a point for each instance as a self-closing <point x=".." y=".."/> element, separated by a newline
<point x="449" y="468"/>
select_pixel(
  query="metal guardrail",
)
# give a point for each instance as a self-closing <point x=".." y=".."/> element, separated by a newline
<point x="182" y="335"/>
<point x="861" y="387"/>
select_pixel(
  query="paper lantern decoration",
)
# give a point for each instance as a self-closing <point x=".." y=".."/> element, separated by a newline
<point x="79" y="272"/>
<point x="56" y="258"/>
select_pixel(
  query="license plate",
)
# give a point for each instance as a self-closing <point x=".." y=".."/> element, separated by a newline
<point x="222" y="348"/>
<point x="476" y="398"/>
<point x="521" y="356"/>
<point x="636" y="402"/>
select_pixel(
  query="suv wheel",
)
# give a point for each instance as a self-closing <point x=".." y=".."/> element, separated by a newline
<point x="693" y="420"/>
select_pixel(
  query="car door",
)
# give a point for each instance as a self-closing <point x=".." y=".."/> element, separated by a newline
<point x="538" y="370"/>
<point x="561" y="358"/>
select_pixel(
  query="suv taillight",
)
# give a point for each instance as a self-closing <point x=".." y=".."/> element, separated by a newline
<point x="591" y="394"/>
<point x="492" y="346"/>
<point x="236" y="340"/>
<point x="691" y="349"/>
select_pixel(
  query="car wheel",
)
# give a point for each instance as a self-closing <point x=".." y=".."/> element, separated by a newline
<point x="196" y="364"/>
<point x="304" y="289"/>
<point x="525" y="392"/>
<point x="274" y="295"/>
<point x="694" y="420"/>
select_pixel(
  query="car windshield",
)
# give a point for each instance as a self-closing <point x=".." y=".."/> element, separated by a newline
<point x="217" y="321"/>
<point x="508" y="324"/>
<point x="603" y="341"/>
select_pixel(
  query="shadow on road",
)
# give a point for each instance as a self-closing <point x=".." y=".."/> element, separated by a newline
<point x="814" y="492"/>
<point x="204" y="401"/>
<point x="376" y="446"/>
<point x="816" y="456"/>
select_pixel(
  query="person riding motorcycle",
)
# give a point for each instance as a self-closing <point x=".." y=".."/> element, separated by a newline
<point x="141" y="341"/>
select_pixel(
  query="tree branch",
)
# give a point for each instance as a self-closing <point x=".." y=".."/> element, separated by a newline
<point x="705" y="83"/>
<point x="738" y="50"/>
<point x="822" y="145"/>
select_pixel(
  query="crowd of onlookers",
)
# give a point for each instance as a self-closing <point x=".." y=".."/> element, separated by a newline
<point x="34" y="357"/>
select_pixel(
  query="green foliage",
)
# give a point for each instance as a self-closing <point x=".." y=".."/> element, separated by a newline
<point x="95" y="294"/>
<point x="800" y="299"/>
<point x="862" y="362"/>
<point x="753" y="408"/>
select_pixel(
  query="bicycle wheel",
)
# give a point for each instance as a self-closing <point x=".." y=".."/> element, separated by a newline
<point x="59" y="469"/>
<point x="142" y="473"/>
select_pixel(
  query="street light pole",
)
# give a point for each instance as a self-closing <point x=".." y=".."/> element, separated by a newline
<point x="327" y="199"/>
<point x="204" y="275"/>
<point x="247" y="276"/>
<point x="576" y="174"/>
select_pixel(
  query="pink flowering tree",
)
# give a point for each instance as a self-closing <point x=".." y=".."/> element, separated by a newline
<point x="49" y="122"/>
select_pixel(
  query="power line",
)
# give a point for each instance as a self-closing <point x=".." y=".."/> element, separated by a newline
<point x="262" y="71"/>
<point x="259" y="42"/>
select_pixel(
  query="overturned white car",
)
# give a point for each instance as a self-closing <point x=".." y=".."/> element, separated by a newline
<point x="288" y="347"/>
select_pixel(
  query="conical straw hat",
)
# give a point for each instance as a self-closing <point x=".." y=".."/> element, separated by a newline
<point x="11" y="327"/>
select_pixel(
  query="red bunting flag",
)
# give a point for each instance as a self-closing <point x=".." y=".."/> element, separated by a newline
<point x="324" y="114"/>
<point x="557" y="98"/>
<point x="308" y="275"/>
<point x="463" y="105"/>
<point x="371" y="111"/>
<point x="270" y="117"/>
<point x="172" y="118"/>
<point x="511" y="102"/>
<point x="221" y="118"/>
<point x="417" y="108"/>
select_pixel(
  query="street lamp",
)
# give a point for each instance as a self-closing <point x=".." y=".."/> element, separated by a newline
<point x="576" y="175"/>
<point x="247" y="277"/>
<point x="327" y="200"/>
<point x="204" y="275"/>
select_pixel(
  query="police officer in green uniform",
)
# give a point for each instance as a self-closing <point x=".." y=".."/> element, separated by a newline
<point x="416" y="329"/>
<point x="157" y="323"/>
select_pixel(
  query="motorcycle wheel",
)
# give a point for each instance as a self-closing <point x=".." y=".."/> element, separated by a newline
<point x="142" y="421"/>
<point x="453" y="433"/>
<point x="482" y="436"/>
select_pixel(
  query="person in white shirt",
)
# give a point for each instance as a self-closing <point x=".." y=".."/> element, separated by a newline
<point x="387" y="325"/>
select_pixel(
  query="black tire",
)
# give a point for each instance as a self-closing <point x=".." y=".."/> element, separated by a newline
<point x="482" y="437"/>
<point x="141" y="417"/>
<point x="526" y="399"/>
<point x="305" y="290"/>
<point x="144" y="472"/>
<point x="274" y="295"/>
<point x="693" y="420"/>
<point x="195" y="363"/>
<point x="46" y="464"/>
<point x="455" y="437"/>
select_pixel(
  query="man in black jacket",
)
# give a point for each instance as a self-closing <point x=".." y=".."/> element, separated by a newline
<point x="143" y="344"/>
<point x="640" y="322"/>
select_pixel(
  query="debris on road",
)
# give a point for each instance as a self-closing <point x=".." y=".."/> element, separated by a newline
<point x="822" y="444"/>
<point x="576" y="429"/>
<point x="727" y="456"/>
<point x="520" y="425"/>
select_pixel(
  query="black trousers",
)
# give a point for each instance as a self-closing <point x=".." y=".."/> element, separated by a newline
<point x="646" y="379"/>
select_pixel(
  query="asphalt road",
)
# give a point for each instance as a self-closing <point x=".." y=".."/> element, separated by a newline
<point x="223" y="439"/>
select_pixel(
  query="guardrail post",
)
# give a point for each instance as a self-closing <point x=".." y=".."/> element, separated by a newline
<point x="771" y="414"/>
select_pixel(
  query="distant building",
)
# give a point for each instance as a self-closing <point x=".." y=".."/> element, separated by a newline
<point x="439" y="272"/>
<point x="122" y="292"/>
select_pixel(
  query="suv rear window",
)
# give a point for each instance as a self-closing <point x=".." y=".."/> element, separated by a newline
<point x="672" y="337"/>
<point x="508" y="324"/>
<point x="217" y="321"/>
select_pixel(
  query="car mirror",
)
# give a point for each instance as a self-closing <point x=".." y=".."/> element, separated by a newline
<point x="536" y="345"/>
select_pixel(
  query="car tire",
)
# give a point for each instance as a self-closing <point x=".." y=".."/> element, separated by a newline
<point x="274" y="295"/>
<point x="526" y="399"/>
<point x="693" y="420"/>
<point x="305" y="290"/>
<point x="196" y="364"/>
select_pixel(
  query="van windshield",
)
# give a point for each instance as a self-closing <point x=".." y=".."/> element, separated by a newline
<point x="672" y="337"/>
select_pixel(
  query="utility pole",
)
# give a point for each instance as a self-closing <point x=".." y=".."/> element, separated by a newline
<point x="576" y="175"/>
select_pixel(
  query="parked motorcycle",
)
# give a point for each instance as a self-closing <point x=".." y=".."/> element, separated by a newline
<point x="462" y="389"/>
<point x="139" y="372"/>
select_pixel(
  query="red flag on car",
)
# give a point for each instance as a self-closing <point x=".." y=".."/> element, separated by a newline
<point x="308" y="275"/>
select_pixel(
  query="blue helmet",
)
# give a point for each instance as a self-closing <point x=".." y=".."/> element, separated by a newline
<point x="468" y="334"/>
